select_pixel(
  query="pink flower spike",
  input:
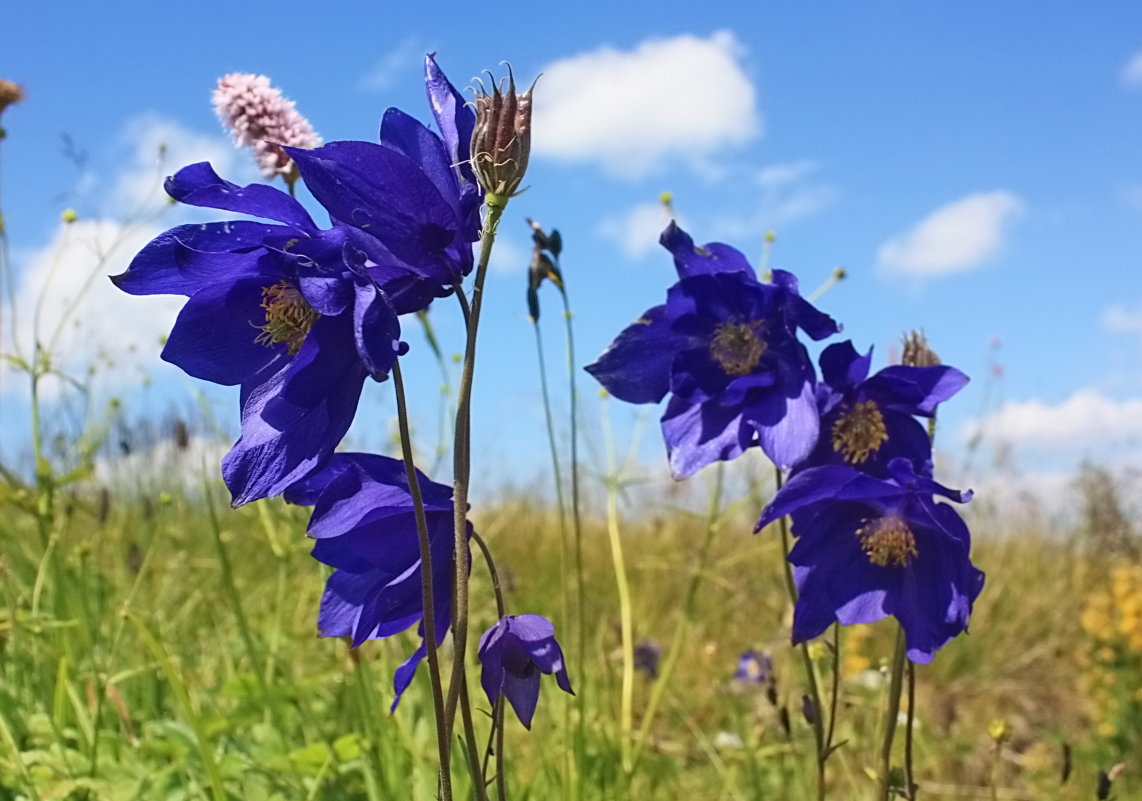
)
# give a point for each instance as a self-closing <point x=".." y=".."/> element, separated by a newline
<point x="258" y="116"/>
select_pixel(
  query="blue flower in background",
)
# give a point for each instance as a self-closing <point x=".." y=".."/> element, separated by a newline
<point x="754" y="667"/>
<point x="867" y="421"/>
<point x="868" y="547"/>
<point x="364" y="522"/>
<point x="513" y="653"/>
<point x="287" y="311"/>
<point x="724" y="348"/>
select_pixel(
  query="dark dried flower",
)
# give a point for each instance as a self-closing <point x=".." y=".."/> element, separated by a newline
<point x="916" y="351"/>
<point x="10" y="94"/>
<point x="501" y="141"/>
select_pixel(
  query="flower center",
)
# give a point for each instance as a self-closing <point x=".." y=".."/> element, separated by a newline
<point x="859" y="432"/>
<point x="288" y="317"/>
<point x="737" y="347"/>
<point x="888" y="542"/>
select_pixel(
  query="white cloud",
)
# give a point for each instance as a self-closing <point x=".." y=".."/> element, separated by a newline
<point x="1130" y="75"/>
<point x="393" y="67"/>
<point x="509" y="256"/>
<point x="959" y="236"/>
<point x="66" y="303"/>
<point x="160" y="147"/>
<point x="1121" y="319"/>
<point x="1085" y="420"/>
<point x="164" y="466"/>
<point x="637" y="230"/>
<point x="680" y="99"/>
<point x="791" y="192"/>
<point x="64" y="299"/>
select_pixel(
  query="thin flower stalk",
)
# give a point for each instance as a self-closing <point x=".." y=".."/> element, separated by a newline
<point x="626" y="715"/>
<point x="891" y="713"/>
<point x="681" y="630"/>
<point x="461" y="467"/>
<point x="442" y="740"/>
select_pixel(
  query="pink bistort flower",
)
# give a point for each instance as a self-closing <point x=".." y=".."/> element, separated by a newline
<point x="259" y="117"/>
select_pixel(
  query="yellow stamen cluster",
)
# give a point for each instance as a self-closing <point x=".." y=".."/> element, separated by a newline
<point x="289" y="317"/>
<point x="859" y="432"/>
<point x="737" y="347"/>
<point x="888" y="542"/>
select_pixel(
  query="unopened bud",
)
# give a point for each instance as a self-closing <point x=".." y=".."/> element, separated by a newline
<point x="501" y="140"/>
<point x="10" y="94"/>
<point x="998" y="730"/>
<point x="69" y="215"/>
<point x="770" y="237"/>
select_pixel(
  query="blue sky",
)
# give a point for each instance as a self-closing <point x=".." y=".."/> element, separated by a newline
<point x="974" y="166"/>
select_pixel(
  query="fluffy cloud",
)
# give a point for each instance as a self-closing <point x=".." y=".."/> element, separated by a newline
<point x="636" y="231"/>
<point x="401" y="61"/>
<point x="957" y="237"/>
<point x="1130" y="75"/>
<point x="64" y="300"/>
<point x="1086" y="419"/>
<point x="1120" y="319"/>
<point x="631" y="112"/>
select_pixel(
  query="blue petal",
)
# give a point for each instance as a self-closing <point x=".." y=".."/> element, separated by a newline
<point x="636" y="366"/>
<point x="523" y="693"/>
<point x="842" y="367"/>
<point x="698" y="434"/>
<point x="376" y="331"/>
<point x="802" y="313"/>
<point x="199" y="185"/>
<point x="214" y="335"/>
<point x="454" y="118"/>
<point x="292" y="421"/>
<point x="915" y="390"/>
<point x="713" y="257"/>
<point x="184" y="259"/>
<point x="387" y="194"/>
<point x="829" y="482"/>
<point x="787" y="427"/>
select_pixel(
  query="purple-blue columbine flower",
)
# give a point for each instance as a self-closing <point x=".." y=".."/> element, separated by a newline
<point x="513" y="653"/>
<point x="867" y="421"/>
<point x="724" y="347"/>
<point x="364" y="522"/>
<point x="287" y="311"/>
<point x="754" y="667"/>
<point x="869" y="547"/>
<point x="414" y="191"/>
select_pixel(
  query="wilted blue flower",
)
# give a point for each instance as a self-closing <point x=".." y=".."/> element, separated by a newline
<point x="286" y="311"/>
<point x="754" y="666"/>
<point x="724" y="347"/>
<point x="869" y="421"/>
<point x="365" y="525"/>
<point x="513" y="654"/>
<point x="869" y="547"/>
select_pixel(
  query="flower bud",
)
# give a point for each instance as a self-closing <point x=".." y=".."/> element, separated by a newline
<point x="501" y="140"/>
<point x="916" y="351"/>
<point x="10" y="94"/>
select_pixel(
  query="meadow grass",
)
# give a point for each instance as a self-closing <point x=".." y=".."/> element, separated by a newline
<point x="164" y="646"/>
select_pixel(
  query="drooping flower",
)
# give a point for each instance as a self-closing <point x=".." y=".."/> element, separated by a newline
<point x="364" y="522"/>
<point x="647" y="654"/>
<point x="867" y="421"/>
<point x="869" y="547"/>
<point x="513" y="653"/>
<point x="724" y="347"/>
<point x="288" y="311"/>
<point x="259" y="117"/>
<point x="414" y="191"/>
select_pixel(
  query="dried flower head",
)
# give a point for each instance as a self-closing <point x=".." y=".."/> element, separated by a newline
<point x="916" y="351"/>
<point x="258" y="116"/>
<point x="10" y="94"/>
<point x="501" y="141"/>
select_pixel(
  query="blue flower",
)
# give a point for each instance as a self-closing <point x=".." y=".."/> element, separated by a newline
<point x="414" y="192"/>
<point x="867" y="421"/>
<point x="513" y="653"/>
<point x="724" y="348"/>
<point x="869" y="547"/>
<point x="364" y="522"/>
<point x="754" y="667"/>
<point x="287" y="311"/>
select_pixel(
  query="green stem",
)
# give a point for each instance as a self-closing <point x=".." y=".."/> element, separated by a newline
<point x="807" y="660"/>
<point x="682" y="628"/>
<point x="909" y="775"/>
<point x="556" y="471"/>
<point x="626" y="719"/>
<point x="497" y="734"/>
<point x="426" y="594"/>
<point x="461" y="472"/>
<point x="891" y="712"/>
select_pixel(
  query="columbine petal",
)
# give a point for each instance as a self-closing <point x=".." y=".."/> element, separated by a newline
<point x="376" y="331"/>
<point x="787" y="427"/>
<point x="713" y="257"/>
<point x="916" y="390"/>
<point x="199" y="185"/>
<point x="214" y="335"/>
<point x="698" y="434"/>
<point x="636" y="366"/>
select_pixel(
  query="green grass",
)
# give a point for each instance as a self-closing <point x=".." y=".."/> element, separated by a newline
<point x="133" y="665"/>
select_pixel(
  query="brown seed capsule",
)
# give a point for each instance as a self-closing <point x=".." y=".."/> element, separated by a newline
<point x="501" y="140"/>
<point x="10" y="94"/>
